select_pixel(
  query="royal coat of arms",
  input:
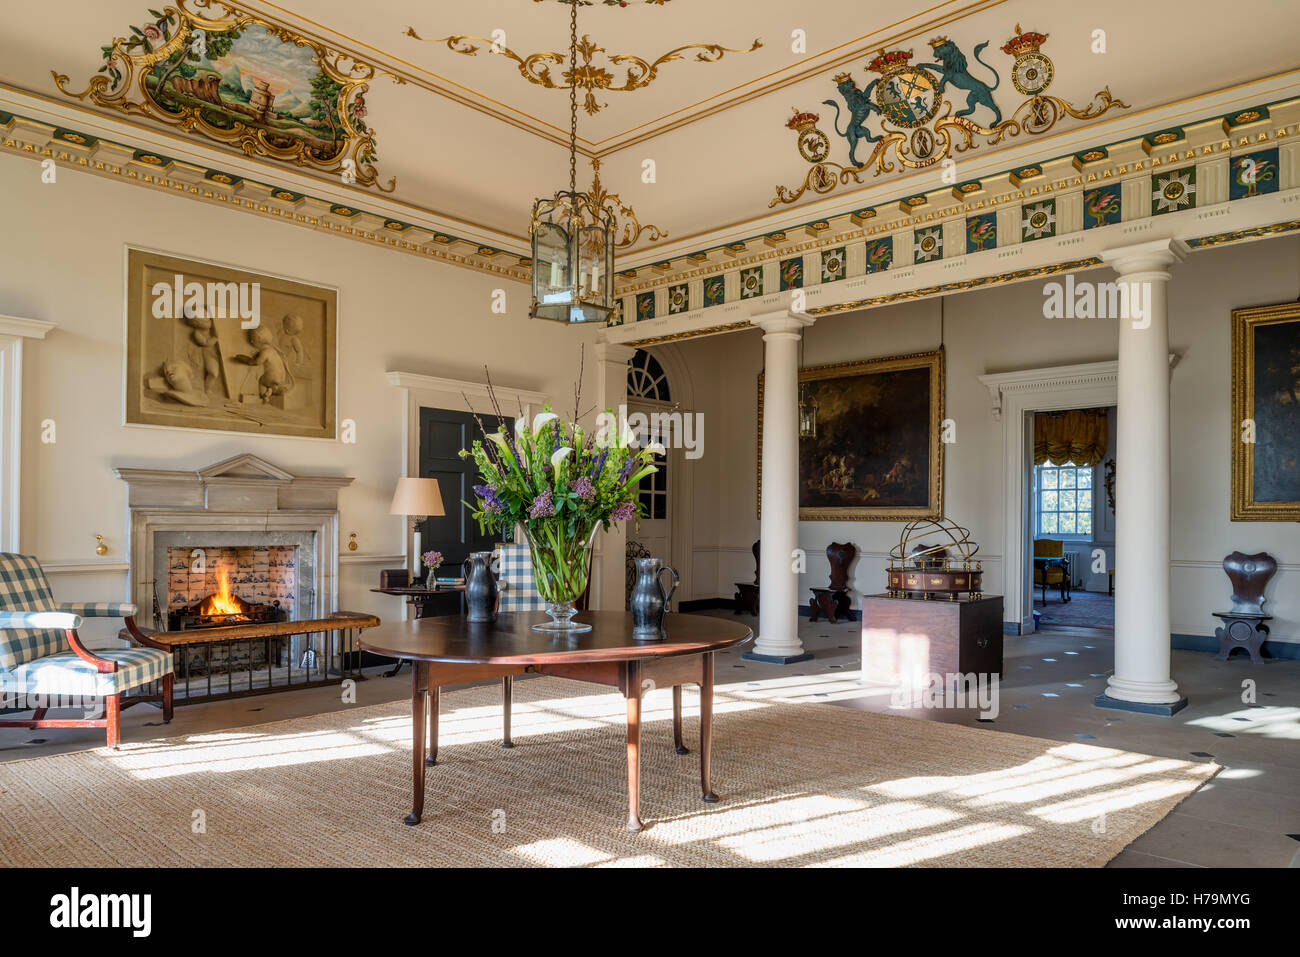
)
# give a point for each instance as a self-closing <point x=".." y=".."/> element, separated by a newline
<point x="917" y="125"/>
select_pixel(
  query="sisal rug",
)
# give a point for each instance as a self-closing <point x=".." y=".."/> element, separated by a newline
<point x="800" y="784"/>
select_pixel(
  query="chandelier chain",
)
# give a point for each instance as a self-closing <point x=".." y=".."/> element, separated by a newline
<point x="573" y="98"/>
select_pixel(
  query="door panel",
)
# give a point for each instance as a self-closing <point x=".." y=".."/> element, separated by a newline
<point x="443" y="434"/>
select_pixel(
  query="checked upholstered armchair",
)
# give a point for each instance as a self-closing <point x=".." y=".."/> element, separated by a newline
<point x="42" y="658"/>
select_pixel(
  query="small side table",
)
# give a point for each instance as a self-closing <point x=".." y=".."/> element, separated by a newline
<point x="1241" y="630"/>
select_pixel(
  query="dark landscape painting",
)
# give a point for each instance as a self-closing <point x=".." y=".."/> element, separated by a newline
<point x="1266" y="390"/>
<point x="876" y="453"/>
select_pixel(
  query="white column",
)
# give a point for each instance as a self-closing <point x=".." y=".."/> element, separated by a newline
<point x="778" y="608"/>
<point x="608" y="585"/>
<point x="1141" y="681"/>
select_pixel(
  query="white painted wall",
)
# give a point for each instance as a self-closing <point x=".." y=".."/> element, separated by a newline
<point x="1002" y="330"/>
<point x="61" y="255"/>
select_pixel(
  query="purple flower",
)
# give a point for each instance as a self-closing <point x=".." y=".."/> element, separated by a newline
<point x="488" y="499"/>
<point x="626" y="470"/>
<point x="432" y="559"/>
<point x="584" y="489"/>
<point x="543" y="506"/>
<point x="623" y="512"/>
<point x="600" y="464"/>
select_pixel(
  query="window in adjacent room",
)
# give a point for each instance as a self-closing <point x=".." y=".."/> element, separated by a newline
<point x="1063" y="499"/>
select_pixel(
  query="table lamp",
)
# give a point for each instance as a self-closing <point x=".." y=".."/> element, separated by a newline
<point x="418" y="499"/>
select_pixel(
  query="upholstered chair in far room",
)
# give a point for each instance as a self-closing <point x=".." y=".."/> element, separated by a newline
<point x="42" y="657"/>
<point x="1051" y="567"/>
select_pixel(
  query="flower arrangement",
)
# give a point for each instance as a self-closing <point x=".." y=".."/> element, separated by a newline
<point x="432" y="559"/>
<point x="562" y="484"/>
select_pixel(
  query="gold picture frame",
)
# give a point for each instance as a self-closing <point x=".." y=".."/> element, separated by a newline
<point x="220" y="348"/>
<point x="1265" y="428"/>
<point x="866" y="468"/>
<point x="198" y="67"/>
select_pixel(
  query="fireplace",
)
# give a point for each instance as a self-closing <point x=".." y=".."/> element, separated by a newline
<point x="211" y="586"/>
<point x="239" y="542"/>
<point x="275" y="534"/>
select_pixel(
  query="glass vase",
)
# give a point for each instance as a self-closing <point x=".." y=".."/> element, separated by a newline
<point x="561" y="566"/>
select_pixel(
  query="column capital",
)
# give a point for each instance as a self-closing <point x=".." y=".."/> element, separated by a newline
<point x="781" y="322"/>
<point x="1152" y="257"/>
<point x="614" y="352"/>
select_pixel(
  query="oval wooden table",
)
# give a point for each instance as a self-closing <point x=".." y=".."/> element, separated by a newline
<point x="450" y="650"/>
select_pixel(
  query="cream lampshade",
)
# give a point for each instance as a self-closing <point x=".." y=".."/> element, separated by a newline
<point x="418" y="498"/>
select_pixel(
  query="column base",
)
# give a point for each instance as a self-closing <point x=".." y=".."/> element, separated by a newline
<point x="1169" y="709"/>
<point x="777" y="659"/>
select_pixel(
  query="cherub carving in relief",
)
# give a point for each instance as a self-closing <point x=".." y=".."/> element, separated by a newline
<point x="275" y="378"/>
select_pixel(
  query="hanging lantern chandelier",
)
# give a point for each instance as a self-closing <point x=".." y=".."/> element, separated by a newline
<point x="572" y="236"/>
<point x="807" y="413"/>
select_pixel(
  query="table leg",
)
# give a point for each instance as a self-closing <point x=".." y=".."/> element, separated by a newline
<point x="391" y="672"/>
<point x="419" y="691"/>
<point x="633" y="686"/>
<point x="706" y="727"/>
<point x="507" y="696"/>
<point x="433" y="700"/>
<point x="677" y="721"/>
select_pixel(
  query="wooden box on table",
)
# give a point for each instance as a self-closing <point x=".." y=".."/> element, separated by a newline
<point x="904" y="640"/>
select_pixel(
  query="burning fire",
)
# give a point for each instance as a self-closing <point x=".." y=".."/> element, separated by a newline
<point x="223" y="602"/>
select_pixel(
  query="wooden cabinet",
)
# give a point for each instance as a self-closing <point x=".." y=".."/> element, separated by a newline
<point x="906" y="640"/>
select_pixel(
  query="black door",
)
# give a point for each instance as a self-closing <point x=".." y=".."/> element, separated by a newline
<point x="442" y="435"/>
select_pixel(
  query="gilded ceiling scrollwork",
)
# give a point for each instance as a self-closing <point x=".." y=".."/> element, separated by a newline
<point x="593" y="72"/>
<point x="228" y="75"/>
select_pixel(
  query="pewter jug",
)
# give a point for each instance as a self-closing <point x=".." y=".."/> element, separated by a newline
<point x="650" y="600"/>
<point x="480" y="588"/>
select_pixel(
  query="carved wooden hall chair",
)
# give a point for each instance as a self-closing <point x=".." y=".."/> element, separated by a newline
<point x="42" y="657"/>
<point x="746" y="601"/>
<point x="1051" y="567"/>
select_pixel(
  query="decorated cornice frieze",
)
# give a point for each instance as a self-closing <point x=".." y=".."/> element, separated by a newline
<point x="1135" y="157"/>
<point x="1222" y="179"/>
<point x="79" y="150"/>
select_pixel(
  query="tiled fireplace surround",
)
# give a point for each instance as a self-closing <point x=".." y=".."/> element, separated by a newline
<point x="241" y="511"/>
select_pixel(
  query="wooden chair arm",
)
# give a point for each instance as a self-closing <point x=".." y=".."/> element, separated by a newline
<point x="102" y="665"/>
<point x="141" y="638"/>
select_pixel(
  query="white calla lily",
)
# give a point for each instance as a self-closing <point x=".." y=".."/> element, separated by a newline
<point x="559" y="456"/>
<point x="656" y="448"/>
<point x="496" y="437"/>
<point x="521" y="423"/>
<point x="541" y="419"/>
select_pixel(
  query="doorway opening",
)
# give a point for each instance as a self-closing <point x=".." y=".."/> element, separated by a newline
<point x="1070" y="512"/>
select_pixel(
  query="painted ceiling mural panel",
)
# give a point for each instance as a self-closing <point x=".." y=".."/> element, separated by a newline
<point x="223" y="73"/>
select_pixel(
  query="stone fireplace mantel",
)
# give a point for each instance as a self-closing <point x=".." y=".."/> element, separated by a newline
<point x="244" y="499"/>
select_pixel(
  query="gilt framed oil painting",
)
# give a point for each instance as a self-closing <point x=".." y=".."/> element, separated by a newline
<point x="225" y="349"/>
<point x="1265" y="426"/>
<point x="870" y="444"/>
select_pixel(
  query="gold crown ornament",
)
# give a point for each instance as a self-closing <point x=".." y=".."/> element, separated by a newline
<point x="938" y="42"/>
<point x="891" y="62"/>
<point x="841" y="77"/>
<point x="1025" y="41"/>
<point x="804" y="121"/>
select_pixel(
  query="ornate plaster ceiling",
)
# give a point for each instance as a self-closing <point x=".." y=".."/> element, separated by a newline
<point x="471" y="140"/>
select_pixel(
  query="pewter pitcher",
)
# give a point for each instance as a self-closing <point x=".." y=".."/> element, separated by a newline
<point x="480" y="588"/>
<point x="650" y="600"/>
